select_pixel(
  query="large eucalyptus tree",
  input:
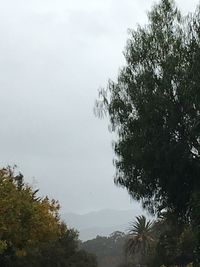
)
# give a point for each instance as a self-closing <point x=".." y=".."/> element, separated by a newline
<point x="154" y="107"/>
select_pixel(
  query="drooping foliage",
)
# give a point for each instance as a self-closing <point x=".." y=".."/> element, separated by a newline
<point x="154" y="107"/>
<point x="140" y="237"/>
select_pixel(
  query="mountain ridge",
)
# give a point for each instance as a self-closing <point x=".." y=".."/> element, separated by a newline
<point x="102" y="222"/>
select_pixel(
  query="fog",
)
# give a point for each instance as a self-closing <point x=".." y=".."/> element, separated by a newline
<point x="54" y="56"/>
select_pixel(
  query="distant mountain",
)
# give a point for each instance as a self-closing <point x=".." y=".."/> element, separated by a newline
<point x="102" y="222"/>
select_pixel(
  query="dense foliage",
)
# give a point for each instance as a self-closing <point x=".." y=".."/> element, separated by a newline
<point x="154" y="107"/>
<point x="109" y="250"/>
<point x="158" y="243"/>
<point x="63" y="251"/>
<point x="140" y="239"/>
<point x="167" y="245"/>
<point x="148" y="243"/>
<point x="31" y="233"/>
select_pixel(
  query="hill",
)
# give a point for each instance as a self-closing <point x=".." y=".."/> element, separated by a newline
<point x="102" y="222"/>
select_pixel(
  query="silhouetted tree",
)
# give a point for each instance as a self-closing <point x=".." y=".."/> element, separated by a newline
<point x="154" y="107"/>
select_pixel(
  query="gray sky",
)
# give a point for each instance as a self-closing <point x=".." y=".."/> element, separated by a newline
<point x="54" y="55"/>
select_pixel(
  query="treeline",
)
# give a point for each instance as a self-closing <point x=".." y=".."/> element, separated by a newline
<point x="109" y="250"/>
<point x="31" y="232"/>
<point x="32" y="235"/>
<point x="162" y="242"/>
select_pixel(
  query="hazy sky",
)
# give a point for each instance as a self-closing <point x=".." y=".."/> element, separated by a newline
<point x="54" y="55"/>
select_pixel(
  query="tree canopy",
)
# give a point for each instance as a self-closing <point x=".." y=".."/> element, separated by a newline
<point x="154" y="107"/>
<point x="24" y="217"/>
<point x="109" y="250"/>
<point x="31" y="232"/>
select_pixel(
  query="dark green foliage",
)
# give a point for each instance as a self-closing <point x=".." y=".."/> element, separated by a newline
<point x="173" y="249"/>
<point x="175" y="242"/>
<point x="141" y="242"/>
<point x="109" y="250"/>
<point x="140" y="239"/>
<point x="62" y="252"/>
<point x="164" y="242"/>
<point x="51" y="253"/>
<point x="154" y="107"/>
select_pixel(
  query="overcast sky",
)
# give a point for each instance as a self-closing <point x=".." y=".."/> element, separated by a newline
<point x="54" y="56"/>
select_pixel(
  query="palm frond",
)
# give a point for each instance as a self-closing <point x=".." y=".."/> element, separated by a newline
<point x="140" y="236"/>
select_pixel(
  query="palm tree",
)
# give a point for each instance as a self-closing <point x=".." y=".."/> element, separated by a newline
<point x="139" y="238"/>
